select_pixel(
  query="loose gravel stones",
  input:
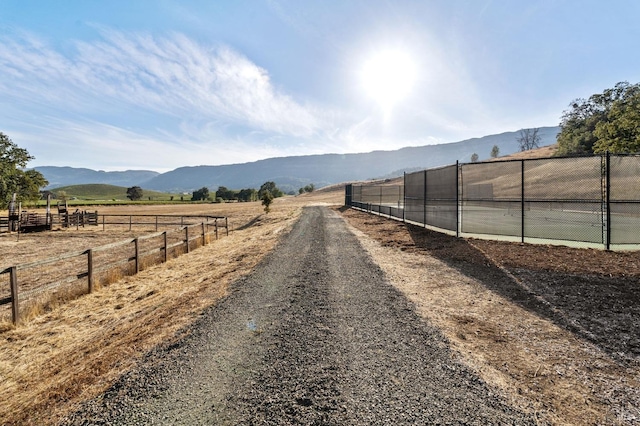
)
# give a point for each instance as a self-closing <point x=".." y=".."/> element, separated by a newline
<point x="315" y="335"/>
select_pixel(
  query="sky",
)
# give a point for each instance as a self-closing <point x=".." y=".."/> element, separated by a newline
<point x="156" y="85"/>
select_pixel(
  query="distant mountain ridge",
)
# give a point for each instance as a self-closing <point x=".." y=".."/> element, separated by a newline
<point x="291" y="173"/>
<point x="64" y="176"/>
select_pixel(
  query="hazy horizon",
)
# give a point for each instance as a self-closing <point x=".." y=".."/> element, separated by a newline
<point x="151" y="85"/>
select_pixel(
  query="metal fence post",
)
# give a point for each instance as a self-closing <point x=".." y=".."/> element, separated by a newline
<point x="186" y="236"/>
<point x="608" y="200"/>
<point x="522" y="201"/>
<point x="457" y="198"/>
<point x="460" y="205"/>
<point x="424" y="201"/>
<point x="404" y="197"/>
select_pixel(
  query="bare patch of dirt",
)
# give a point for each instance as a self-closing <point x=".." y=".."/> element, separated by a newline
<point x="555" y="328"/>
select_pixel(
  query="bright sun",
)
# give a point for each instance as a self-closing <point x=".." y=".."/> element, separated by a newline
<point x="388" y="77"/>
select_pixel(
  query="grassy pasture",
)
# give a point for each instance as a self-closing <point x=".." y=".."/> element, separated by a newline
<point x="102" y="194"/>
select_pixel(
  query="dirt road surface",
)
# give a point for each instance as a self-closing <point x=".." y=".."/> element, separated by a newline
<point x="315" y="335"/>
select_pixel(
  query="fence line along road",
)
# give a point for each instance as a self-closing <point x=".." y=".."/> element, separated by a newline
<point x="148" y="219"/>
<point x="127" y="263"/>
<point x="589" y="201"/>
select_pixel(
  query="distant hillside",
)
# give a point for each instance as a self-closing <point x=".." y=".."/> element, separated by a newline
<point x="95" y="191"/>
<point x="62" y="176"/>
<point x="542" y="152"/>
<point x="291" y="173"/>
<point x="327" y="169"/>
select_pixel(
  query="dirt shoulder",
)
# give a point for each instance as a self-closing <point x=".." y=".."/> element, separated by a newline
<point x="554" y="327"/>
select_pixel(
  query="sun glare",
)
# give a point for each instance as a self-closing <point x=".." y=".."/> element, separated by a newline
<point x="388" y="77"/>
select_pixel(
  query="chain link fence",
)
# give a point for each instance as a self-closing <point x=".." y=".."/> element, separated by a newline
<point x="588" y="201"/>
<point x="382" y="199"/>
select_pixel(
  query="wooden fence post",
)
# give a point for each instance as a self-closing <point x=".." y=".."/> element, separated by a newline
<point x="103" y="222"/>
<point x="156" y="223"/>
<point x="166" y="255"/>
<point x="137" y="248"/>
<point x="130" y="219"/>
<point x="15" y="309"/>
<point x="90" y="269"/>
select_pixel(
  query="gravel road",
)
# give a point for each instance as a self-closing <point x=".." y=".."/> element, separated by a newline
<point x="315" y="335"/>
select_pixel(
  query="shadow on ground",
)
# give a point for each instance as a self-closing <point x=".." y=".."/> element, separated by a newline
<point x="603" y="309"/>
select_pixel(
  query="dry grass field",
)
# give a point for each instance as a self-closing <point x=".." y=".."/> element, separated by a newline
<point x="58" y="358"/>
<point x="546" y="325"/>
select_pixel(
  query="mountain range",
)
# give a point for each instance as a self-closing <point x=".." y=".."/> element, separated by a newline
<point x="291" y="173"/>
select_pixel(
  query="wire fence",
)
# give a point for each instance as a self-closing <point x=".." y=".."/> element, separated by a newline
<point x="585" y="201"/>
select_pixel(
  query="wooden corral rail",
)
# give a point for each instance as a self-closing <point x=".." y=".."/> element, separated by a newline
<point x="34" y="222"/>
<point x="26" y="222"/>
<point x="162" y="220"/>
<point x="78" y="219"/>
<point x="189" y="235"/>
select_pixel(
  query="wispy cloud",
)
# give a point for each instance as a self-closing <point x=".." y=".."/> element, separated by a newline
<point x="136" y="100"/>
<point x="169" y="75"/>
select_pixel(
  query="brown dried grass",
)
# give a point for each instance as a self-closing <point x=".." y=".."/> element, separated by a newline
<point x="50" y="364"/>
<point x="65" y="355"/>
<point x="537" y="365"/>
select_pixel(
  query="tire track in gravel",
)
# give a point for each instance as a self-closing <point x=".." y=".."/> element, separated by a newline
<point x="314" y="335"/>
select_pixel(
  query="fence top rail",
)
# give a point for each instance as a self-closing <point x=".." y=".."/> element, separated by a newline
<point x="165" y="215"/>
<point x="112" y="245"/>
<point x="506" y="160"/>
<point x="526" y="200"/>
<point x="154" y="235"/>
<point x="525" y="160"/>
<point x="69" y="255"/>
<point x="44" y="261"/>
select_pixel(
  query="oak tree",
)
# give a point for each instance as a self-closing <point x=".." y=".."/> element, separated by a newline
<point x="134" y="193"/>
<point x="25" y="184"/>
<point x="606" y="121"/>
<point x="528" y="139"/>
